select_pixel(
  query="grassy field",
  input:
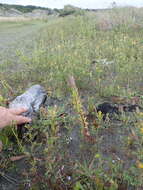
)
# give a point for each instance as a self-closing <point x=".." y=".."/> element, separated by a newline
<point x="14" y="19"/>
<point x="82" y="61"/>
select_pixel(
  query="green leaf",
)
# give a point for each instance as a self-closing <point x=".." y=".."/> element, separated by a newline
<point x="78" y="186"/>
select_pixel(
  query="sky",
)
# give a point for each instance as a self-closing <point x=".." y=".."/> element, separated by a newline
<point x="92" y="4"/>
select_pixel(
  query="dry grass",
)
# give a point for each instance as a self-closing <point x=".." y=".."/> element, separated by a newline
<point x="15" y="19"/>
<point x="127" y="16"/>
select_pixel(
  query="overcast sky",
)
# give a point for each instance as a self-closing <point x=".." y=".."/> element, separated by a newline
<point x="94" y="4"/>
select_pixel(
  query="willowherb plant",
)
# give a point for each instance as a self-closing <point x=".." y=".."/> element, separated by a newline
<point x="79" y="109"/>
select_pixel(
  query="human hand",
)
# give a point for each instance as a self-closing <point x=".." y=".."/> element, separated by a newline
<point x="10" y="116"/>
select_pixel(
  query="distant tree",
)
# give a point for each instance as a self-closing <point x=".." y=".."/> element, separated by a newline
<point x="70" y="10"/>
<point x="23" y="9"/>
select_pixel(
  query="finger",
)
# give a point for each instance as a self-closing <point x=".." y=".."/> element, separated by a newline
<point x="17" y="111"/>
<point x="21" y="120"/>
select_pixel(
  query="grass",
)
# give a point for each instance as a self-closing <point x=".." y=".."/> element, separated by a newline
<point x="105" y="60"/>
<point x="64" y="51"/>
<point x="15" y="19"/>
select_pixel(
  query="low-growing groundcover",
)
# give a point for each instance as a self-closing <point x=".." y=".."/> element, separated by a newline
<point x="72" y="145"/>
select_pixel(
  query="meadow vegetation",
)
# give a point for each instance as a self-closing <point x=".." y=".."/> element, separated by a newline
<point x="21" y="8"/>
<point x="82" y="61"/>
<point x="14" y="19"/>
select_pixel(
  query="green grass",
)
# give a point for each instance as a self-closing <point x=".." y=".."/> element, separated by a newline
<point x="70" y="45"/>
<point x="79" y="47"/>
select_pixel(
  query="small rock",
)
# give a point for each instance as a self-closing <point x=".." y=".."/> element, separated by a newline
<point x="32" y="99"/>
<point x="107" y="108"/>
